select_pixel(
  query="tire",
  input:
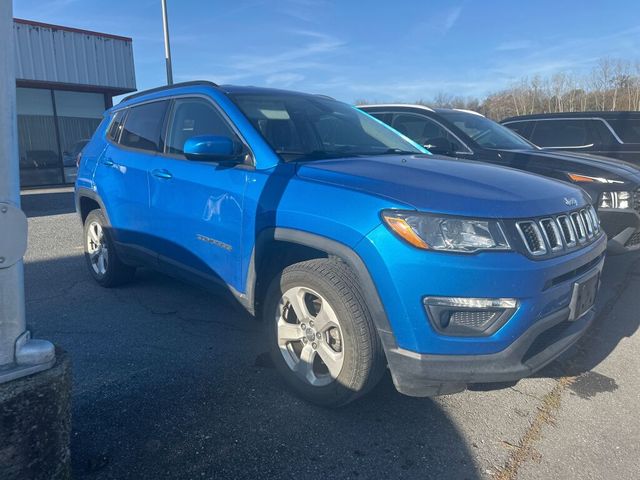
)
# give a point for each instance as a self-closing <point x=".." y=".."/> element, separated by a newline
<point x="99" y="251"/>
<point x="338" y="355"/>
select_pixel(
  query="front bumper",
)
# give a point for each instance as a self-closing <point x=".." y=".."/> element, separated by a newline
<point x="424" y="361"/>
<point x="622" y="226"/>
<point x="427" y="375"/>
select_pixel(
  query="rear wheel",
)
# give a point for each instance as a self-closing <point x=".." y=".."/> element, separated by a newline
<point x="102" y="259"/>
<point x="322" y="338"/>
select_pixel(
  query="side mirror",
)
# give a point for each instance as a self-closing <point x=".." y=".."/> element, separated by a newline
<point x="439" y="146"/>
<point x="210" y="148"/>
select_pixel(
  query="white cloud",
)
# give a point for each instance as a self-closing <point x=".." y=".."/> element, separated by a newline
<point x="284" y="67"/>
<point x="305" y="10"/>
<point x="451" y="18"/>
<point x="297" y="58"/>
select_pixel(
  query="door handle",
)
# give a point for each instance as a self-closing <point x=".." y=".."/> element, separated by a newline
<point x="161" y="173"/>
<point x="108" y="162"/>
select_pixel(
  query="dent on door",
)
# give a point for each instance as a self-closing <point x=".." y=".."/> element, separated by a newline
<point x="198" y="214"/>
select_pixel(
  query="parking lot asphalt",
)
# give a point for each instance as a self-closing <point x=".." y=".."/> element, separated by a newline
<point x="171" y="381"/>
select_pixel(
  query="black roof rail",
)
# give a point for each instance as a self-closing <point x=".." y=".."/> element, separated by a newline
<point x="169" y="87"/>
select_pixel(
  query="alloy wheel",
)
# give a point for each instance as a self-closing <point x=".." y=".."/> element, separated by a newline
<point x="97" y="248"/>
<point x="309" y="336"/>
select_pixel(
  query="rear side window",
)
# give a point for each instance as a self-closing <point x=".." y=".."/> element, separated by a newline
<point x="192" y="117"/>
<point x="521" y="128"/>
<point x="143" y="125"/>
<point x="116" y="126"/>
<point x="627" y="129"/>
<point x="562" y="133"/>
<point x="600" y="133"/>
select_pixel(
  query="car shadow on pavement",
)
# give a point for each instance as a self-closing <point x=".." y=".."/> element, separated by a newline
<point x="607" y="330"/>
<point x="37" y="203"/>
<point x="166" y="385"/>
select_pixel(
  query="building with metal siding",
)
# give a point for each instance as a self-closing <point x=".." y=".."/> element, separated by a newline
<point x="65" y="79"/>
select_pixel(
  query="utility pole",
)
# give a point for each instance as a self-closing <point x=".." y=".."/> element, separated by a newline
<point x="19" y="354"/>
<point x="167" y="47"/>
<point x="35" y="382"/>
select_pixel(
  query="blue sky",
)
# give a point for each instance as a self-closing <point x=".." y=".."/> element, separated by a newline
<point x="377" y="50"/>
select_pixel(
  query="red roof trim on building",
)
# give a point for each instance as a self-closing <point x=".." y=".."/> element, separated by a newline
<point x="71" y="29"/>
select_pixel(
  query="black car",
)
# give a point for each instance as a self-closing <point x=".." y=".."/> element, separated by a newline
<point x="612" y="134"/>
<point x="613" y="184"/>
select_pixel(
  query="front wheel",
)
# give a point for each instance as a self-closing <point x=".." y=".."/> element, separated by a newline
<point x="321" y="334"/>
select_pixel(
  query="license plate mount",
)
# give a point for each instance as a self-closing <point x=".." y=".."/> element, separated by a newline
<point x="583" y="296"/>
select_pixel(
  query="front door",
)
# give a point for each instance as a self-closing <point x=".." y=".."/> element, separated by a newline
<point x="197" y="207"/>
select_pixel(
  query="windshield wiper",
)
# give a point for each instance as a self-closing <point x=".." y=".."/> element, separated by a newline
<point x="321" y="154"/>
<point x="395" y="151"/>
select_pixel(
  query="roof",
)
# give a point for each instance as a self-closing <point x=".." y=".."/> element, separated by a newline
<point x="396" y="105"/>
<point x="229" y="89"/>
<point x="248" y="89"/>
<point x="71" y="29"/>
<point x="409" y="106"/>
<point x="54" y="56"/>
<point x="589" y="114"/>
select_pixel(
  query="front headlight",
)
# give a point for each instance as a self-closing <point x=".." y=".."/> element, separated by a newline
<point x="616" y="200"/>
<point x="451" y="234"/>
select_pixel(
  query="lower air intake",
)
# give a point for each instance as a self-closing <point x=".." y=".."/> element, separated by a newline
<point x="476" y="319"/>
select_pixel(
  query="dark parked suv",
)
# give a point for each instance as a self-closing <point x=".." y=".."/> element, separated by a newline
<point x="612" y="134"/>
<point x="614" y="185"/>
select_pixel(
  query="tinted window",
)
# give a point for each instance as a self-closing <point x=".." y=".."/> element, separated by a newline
<point x="383" y="117"/>
<point x="307" y="127"/>
<point x="519" y="127"/>
<point x="116" y="126"/>
<point x="600" y="134"/>
<point x="562" y="133"/>
<point x="485" y="132"/>
<point x="142" y="126"/>
<point x="424" y="131"/>
<point x="192" y="117"/>
<point x="627" y="129"/>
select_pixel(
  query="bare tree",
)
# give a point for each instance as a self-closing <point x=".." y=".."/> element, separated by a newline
<point x="610" y="85"/>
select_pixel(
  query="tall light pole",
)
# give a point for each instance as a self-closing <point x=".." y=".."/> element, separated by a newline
<point x="19" y="354"/>
<point x="35" y="382"/>
<point x="167" y="47"/>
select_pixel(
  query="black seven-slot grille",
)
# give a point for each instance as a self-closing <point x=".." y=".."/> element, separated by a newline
<point x="560" y="232"/>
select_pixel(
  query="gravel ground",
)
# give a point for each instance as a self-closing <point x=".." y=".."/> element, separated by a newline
<point x="171" y="381"/>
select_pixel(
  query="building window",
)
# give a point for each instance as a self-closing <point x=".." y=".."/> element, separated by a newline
<point x="38" y="145"/>
<point x="78" y="115"/>
<point x="53" y="127"/>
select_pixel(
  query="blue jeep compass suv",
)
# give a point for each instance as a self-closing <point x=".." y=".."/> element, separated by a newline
<point x="357" y="248"/>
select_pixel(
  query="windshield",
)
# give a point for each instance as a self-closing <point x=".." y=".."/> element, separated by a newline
<point x="485" y="132"/>
<point x="304" y="127"/>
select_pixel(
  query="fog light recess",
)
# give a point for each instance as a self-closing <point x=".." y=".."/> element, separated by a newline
<point x="461" y="316"/>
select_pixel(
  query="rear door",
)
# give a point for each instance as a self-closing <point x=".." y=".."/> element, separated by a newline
<point x="197" y="207"/>
<point x="121" y="174"/>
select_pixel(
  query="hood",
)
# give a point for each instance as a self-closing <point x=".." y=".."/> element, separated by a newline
<point x="580" y="163"/>
<point x="443" y="185"/>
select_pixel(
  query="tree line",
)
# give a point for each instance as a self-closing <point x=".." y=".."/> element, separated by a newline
<point x="611" y="84"/>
